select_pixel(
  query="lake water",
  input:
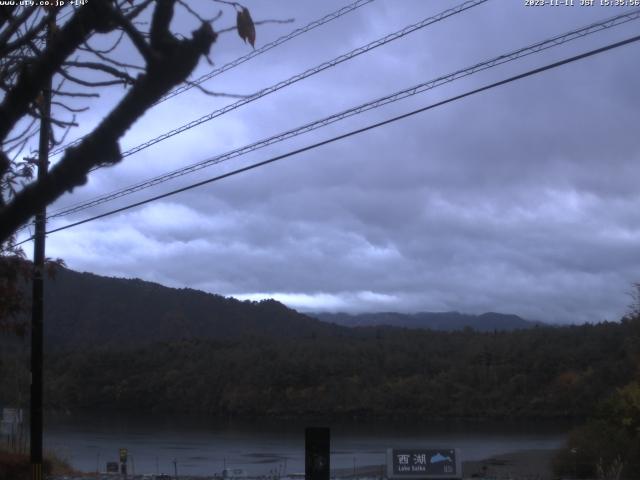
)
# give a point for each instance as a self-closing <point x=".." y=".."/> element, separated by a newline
<point x="204" y="446"/>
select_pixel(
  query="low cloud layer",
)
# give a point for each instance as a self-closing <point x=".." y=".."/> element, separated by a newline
<point x="522" y="199"/>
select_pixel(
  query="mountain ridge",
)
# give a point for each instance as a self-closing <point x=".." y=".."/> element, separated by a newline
<point x="447" y="321"/>
<point x="85" y="309"/>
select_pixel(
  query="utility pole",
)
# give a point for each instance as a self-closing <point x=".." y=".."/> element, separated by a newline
<point x="317" y="453"/>
<point x="37" y="310"/>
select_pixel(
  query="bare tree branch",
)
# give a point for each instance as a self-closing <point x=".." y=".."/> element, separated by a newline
<point x="123" y="79"/>
<point x="136" y="37"/>
<point x="170" y="67"/>
<point x="35" y="51"/>
<point x="68" y="108"/>
<point x="26" y="39"/>
<point x="32" y="78"/>
<point x="13" y="26"/>
<point x="215" y="94"/>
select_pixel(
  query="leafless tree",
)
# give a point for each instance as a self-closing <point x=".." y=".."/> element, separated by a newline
<point x="78" y="48"/>
<point x="78" y="52"/>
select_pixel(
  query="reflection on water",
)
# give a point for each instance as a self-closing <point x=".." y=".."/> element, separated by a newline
<point x="204" y="446"/>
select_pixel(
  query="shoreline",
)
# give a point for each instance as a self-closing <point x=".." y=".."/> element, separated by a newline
<point x="404" y="417"/>
<point x="520" y="464"/>
<point x="532" y="464"/>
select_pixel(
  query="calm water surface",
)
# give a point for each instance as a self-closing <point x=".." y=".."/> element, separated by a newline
<point x="204" y="446"/>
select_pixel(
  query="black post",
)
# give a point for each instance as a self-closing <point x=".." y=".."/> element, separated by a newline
<point x="317" y="448"/>
<point x="36" y="420"/>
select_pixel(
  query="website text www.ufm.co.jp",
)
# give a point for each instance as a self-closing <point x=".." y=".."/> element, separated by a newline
<point x="42" y="3"/>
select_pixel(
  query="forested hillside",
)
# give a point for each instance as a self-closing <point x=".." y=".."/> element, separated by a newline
<point x="86" y="309"/>
<point x="129" y="344"/>
<point x="389" y="372"/>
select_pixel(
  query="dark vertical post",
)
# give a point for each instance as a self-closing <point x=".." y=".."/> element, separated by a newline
<point x="37" y="311"/>
<point x="317" y="448"/>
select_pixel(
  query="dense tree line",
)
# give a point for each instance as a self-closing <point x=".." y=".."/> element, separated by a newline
<point x="372" y="372"/>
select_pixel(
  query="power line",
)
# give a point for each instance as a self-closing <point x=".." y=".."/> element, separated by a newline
<point x="265" y="48"/>
<point x="240" y="60"/>
<point x="422" y="87"/>
<point x="388" y="38"/>
<point x="351" y="133"/>
<point x="307" y="73"/>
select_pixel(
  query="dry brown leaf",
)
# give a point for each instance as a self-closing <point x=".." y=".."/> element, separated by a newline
<point x="246" y="28"/>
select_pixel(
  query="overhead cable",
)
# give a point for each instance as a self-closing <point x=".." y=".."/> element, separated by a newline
<point x="240" y="60"/>
<point x="529" y="73"/>
<point x="422" y="87"/>
<point x="258" y="51"/>
<point x="306" y="74"/>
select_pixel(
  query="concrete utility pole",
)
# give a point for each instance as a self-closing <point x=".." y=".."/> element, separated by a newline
<point x="37" y="310"/>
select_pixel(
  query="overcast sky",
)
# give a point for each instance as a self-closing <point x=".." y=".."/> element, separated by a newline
<point x="523" y="199"/>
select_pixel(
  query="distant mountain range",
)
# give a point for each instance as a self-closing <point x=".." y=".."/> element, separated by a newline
<point x="83" y="309"/>
<point x="448" y="321"/>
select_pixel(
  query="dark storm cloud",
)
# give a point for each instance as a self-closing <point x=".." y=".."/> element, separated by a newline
<point x="522" y="199"/>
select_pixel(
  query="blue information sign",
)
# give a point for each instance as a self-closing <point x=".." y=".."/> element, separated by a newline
<point x="424" y="463"/>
